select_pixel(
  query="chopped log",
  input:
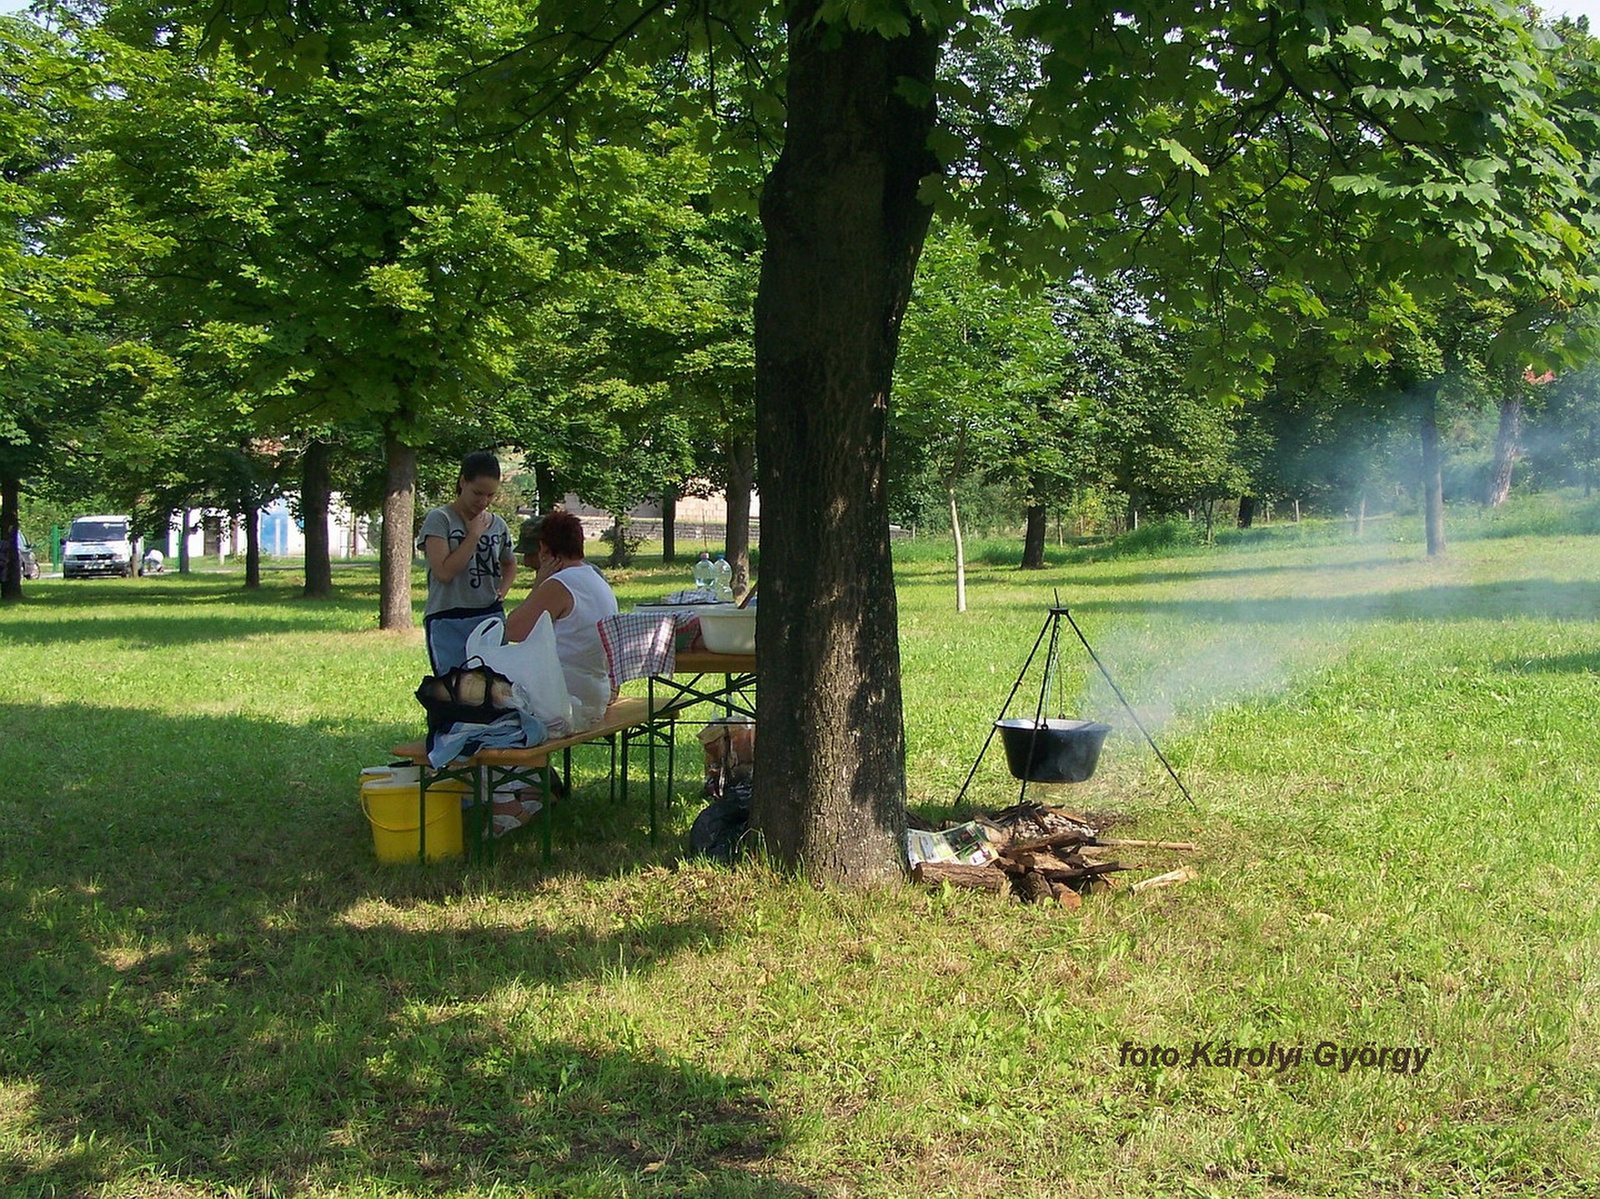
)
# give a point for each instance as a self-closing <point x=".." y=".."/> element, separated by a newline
<point x="1032" y="887"/>
<point x="1038" y="861"/>
<point x="1070" y="874"/>
<point x="1171" y="879"/>
<point x="1071" y="836"/>
<point x="1131" y="842"/>
<point x="959" y="874"/>
<point x="1066" y="896"/>
<point x="1030" y="810"/>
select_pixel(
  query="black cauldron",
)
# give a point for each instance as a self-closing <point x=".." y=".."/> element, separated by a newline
<point x="1052" y="751"/>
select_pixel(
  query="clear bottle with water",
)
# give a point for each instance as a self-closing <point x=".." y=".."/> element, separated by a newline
<point x="705" y="573"/>
<point x="724" y="584"/>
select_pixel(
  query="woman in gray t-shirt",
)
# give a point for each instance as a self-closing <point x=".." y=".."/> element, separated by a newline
<point x="471" y="562"/>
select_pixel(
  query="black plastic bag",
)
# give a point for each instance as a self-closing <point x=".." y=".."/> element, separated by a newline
<point x="465" y="695"/>
<point x="720" y="827"/>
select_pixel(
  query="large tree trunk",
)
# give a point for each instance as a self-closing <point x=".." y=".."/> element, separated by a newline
<point x="10" y="559"/>
<point x="1505" y="449"/>
<point x="844" y="228"/>
<point x="184" y="529"/>
<point x="316" y="490"/>
<point x="251" y="517"/>
<point x="1033" y="539"/>
<point x="1432" y="477"/>
<point x="669" y="524"/>
<point x="741" y="482"/>
<point x="399" y="517"/>
<point x="1247" y="511"/>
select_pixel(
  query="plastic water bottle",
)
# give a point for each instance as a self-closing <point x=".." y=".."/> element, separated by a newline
<point x="705" y="572"/>
<point x="724" y="585"/>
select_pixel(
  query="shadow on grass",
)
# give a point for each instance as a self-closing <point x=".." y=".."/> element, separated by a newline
<point x="1535" y="599"/>
<point x="1149" y="578"/>
<point x="209" y="981"/>
<point x="1554" y="664"/>
<point x="149" y="613"/>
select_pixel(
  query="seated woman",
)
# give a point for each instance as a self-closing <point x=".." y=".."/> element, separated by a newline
<point x="577" y="597"/>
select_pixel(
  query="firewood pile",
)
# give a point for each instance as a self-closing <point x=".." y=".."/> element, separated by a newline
<point x="1041" y="854"/>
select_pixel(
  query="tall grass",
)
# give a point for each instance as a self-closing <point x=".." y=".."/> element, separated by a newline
<point x="209" y="987"/>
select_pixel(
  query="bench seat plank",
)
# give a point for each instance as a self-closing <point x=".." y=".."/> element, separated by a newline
<point x="626" y="713"/>
<point x="624" y="716"/>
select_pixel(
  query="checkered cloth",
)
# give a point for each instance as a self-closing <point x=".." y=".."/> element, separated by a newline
<point x="638" y="644"/>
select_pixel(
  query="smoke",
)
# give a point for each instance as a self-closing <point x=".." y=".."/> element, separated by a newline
<point x="1232" y="632"/>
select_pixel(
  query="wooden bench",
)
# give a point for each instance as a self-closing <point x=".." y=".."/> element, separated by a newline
<point x="629" y="719"/>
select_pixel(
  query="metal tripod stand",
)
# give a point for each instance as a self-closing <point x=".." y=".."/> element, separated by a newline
<point x="1052" y="627"/>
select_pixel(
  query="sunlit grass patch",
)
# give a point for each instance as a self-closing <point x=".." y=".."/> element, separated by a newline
<point x="212" y="988"/>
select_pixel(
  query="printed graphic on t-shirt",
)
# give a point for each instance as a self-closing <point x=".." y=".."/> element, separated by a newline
<point x="485" y="562"/>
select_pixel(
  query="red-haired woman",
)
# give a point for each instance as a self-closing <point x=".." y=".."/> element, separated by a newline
<point x="577" y="597"/>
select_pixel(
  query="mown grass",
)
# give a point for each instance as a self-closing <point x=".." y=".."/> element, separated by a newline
<point x="209" y="987"/>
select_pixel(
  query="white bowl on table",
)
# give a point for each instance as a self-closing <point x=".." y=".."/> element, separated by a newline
<point x="729" y="630"/>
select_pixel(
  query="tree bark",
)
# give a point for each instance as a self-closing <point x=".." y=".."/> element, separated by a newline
<point x="1033" y="538"/>
<point x="10" y="559"/>
<point x="843" y="231"/>
<point x="1247" y="511"/>
<point x="669" y="524"/>
<point x="316" y="489"/>
<point x="1505" y="450"/>
<point x="741" y="482"/>
<point x="251" y="519"/>
<point x="183" y="541"/>
<point x="399" y="517"/>
<point x="1432" y="476"/>
<point x="548" y="486"/>
<point x="620" y="554"/>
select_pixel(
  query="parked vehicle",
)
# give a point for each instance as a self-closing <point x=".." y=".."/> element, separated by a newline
<point x="99" y="545"/>
<point x="25" y="558"/>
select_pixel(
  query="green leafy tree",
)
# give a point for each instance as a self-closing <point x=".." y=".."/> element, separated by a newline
<point x="1415" y="138"/>
<point x="1564" y="435"/>
<point x="56" y="357"/>
<point x="979" y="371"/>
<point x="328" y="264"/>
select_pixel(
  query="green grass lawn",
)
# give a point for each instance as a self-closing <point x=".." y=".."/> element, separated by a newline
<point x="209" y="986"/>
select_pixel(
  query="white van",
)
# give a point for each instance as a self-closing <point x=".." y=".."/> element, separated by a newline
<point x="99" y="545"/>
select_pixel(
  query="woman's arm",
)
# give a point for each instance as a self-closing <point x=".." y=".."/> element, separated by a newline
<point x="549" y="596"/>
<point x="447" y="563"/>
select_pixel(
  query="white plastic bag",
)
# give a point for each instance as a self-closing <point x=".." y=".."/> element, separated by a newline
<point x="537" y="684"/>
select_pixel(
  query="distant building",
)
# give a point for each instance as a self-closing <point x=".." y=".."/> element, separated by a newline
<point x="695" y="518"/>
<point x="220" y="535"/>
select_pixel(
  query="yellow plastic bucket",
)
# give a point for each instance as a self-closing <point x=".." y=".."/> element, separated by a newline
<point x="389" y="800"/>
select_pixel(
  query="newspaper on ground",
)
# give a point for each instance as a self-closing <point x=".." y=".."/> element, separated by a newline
<point x="965" y="843"/>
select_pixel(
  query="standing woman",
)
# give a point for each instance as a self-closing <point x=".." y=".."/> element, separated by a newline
<point x="577" y="597"/>
<point x="471" y="563"/>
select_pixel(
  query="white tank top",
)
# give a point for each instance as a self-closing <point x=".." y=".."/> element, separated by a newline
<point x="583" y="658"/>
